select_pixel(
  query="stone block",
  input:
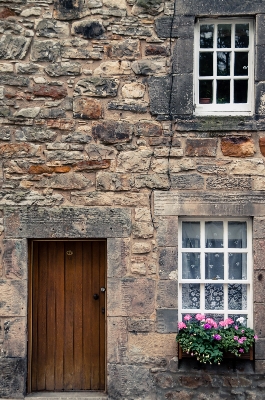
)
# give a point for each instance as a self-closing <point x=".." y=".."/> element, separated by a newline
<point x="151" y="345"/>
<point x="179" y="26"/>
<point x="143" y="230"/>
<point x="227" y="182"/>
<point x="164" y="380"/>
<point x="128" y="49"/>
<point x="65" y="157"/>
<point x="260" y="28"/>
<point x="112" y="68"/>
<point x="253" y="167"/>
<point x="259" y="63"/>
<point x="69" y="222"/>
<point x="185" y="164"/>
<point x="114" y="182"/>
<point x="19" y="150"/>
<point x="260" y="366"/>
<point x="142" y="214"/>
<point x="34" y="134"/>
<point x="258" y="326"/>
<point x="134" y="161"/>
<point x="13" y="377"/>
<point x="63" y="69"/>
<point x="168" y="261"/>
<point x="259" y="285"/>
<point x="69" y="10"/>
<point x="187" y="181"/>
<point x="133" y="30"/>
<point x="201" y="147"/>
<point x="258" y="254"/>
<point x="182" y="94"/>
<point x="139" y="325"/>
<point x="118" y="252"/>
<point x="152" y="181"/>
<point x="125" y="199"/>
<point x="13" y="340"/>
<point x="191" y="7"/>
<point x="149" y="67"/>
<point x="159" y="89"/>
<point x="134" y="90"/>
<point x="238" y="146"/>
<point x="117" y="340"/>
<point x="167" y="294"/>
<point x="14" y="47"/>
<point x="156" y="50"/>
<point x="111" y="132"/>
<point x="86" y="108"/>
<point x="148" y="128"/>
<point x="260" y="98"/>
<point x="13" y="80"/>
<point x="13" y="297"/>
<point x="183" y="56"/>
<point x="45" y="50"/>
<point x="66" y="181"/>
<point x="133" y="106"/>
<point x="15" y="259"/>
<point x="160" y="166"/>
<point x="258" y="233"/>
<point x="96" y="86"/>
<point x="100" y="152"/>
<point x="167" y="322"/>
<point x="167" y="231"/>
<point x="141" y="248"/>
<point x="179" y="395"/>
<point x="130" y="381"/>
<point x="50" y="28"/>
<point x="27" y="68"/>
<point x="54" y="92"/>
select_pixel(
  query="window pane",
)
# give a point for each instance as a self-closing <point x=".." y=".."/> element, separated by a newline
<point x="216" y="317"/>
<point x="237" y="265"/>
<point x="206" y="64"/>
<point x="214" y="296"/>
<point x="224" y="36"/>
<point x="241" y="91"/>
<point x="206" y="36"/>
<point x="191" y="266"/>
<point x="236" y="316"/>
<point x="190" y="234"/>
<point x="237" y="297"/>
<point x="237" y="235"/>
<point x="214" y="234"/>
<point x="205" y="92"/>
<point x="223" y="63"/>
<point x="241" y="64"/>
<point x="223" y="92"/>
<point x="191" y="296"/>
<point x="242" y="35"/>
<point x="214" y="266"/>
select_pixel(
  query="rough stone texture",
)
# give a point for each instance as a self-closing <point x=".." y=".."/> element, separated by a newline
<point x="201" y="147"/>
<point x="14" y="47"/>
<point x="237" y="147"/>
<point x="86" y="108"/>
<point x="99" y="87"/>
<point x="88" y="29"/>
<point x="111" y="132"/>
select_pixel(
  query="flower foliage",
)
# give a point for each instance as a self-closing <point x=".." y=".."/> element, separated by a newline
<point x="208" y="340"/>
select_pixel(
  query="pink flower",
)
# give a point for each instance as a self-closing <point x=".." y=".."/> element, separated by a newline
<point x="222" y="323"/>
<point x="182" y="325"/>
<point x="255" y="337"/>
<point x="217" y="337"/>
<point x="207" y="326"/>
<point x="200" y="317"/>
<point x="235" y="337"/>
<point x="187" y="317"/>
<point x="244" y="338"/>
<point x="211" y="322"/>
<point x="241" y="350"/>
<point x="228" y="321"/>
<point x="236" y="327"/>
<point x="242" y="331"/>
<point x="241" y="341"/>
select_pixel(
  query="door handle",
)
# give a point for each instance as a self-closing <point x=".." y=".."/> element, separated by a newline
<point x="96" y="296"/>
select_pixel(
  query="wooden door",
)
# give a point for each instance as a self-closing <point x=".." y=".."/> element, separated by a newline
<point x="68" y="316"/>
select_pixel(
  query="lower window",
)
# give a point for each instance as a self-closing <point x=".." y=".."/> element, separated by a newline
<point x="215" y="264"/>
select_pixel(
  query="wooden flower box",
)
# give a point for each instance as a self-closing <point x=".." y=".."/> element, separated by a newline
<point x="245" y="356"/>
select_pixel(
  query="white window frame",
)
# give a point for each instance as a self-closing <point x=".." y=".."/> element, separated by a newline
<point x="202" y="281"/>
<point x="229" y="108"/>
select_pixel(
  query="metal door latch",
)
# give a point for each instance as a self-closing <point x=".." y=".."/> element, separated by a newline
<point x="103" y="289"/>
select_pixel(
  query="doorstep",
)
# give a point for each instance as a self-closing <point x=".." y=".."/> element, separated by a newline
<point x="67" y="396"/>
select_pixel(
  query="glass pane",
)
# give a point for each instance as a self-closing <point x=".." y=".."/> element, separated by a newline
<point x="191" y="266"/>
<point x="242" y="35"/>
<point x="216" y="317"/>
<point x="214" y="234"/>
<point x="237" y="235"/>
<point x="241" y="91"/>
<point x="237" y="265"/>
<point x="224" y="36"/>
<point x="223" y="63"/>
<point x="237" y="297"/>
<point x="206" y="36"/>
<point x="236" y="316"/>
<point x="205" y="92"/>
<point x="241" y="64"/>
<point x="190" y="234"/>
<point x="214" y="266"/>
<point x="223" y="92"/>
<point x="191" y="295"/>
<point x="214" y="296"/>
<point x="206" y="64"/>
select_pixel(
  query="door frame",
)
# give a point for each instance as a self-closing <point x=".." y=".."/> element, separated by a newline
<point x="30" y="302"/>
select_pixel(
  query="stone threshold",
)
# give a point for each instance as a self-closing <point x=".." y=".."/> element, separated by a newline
<point x="67" y="396"/>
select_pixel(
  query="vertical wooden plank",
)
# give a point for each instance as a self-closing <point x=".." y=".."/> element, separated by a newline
<point x="59" y="316"/>
<point x="42" y="316"/>
<point x="34" y="361"/>
<point x="30" y="266"/>
<point x="78" y="304"/>
<point x="50" y="334"/>
<point x="95" y="318"/>
<point x="69" y="317"/>
<point x="87" y="316"/>
<point x="102" y="316"/>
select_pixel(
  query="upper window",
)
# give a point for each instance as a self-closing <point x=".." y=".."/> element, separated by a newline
<point x="224" y="67"/>
<point x="215" y="268"/>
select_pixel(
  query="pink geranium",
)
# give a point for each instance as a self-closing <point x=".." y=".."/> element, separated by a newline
<point x="187" y="317"/>
<point x="182" y="325"/>
<point x="241" y="350"/>
<point x="255" y="337"/>
<point x="200" y="317"/>
<point x="211" y="322"/>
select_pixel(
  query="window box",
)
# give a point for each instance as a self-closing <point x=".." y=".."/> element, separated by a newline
<point x="246" y="356"/>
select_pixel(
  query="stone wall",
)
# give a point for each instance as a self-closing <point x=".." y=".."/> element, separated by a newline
<point x="96" y="123"/>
